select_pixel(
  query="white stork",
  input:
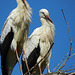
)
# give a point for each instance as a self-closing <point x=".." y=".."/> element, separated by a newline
<point x="38" y="44"/>
<point x="19" y="21"/>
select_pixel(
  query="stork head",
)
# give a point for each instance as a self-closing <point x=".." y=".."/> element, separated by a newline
<point x="44" y="14"/>
<point x="22" y="2"/>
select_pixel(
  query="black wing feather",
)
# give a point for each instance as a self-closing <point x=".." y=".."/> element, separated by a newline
<point x="4" y="50"/>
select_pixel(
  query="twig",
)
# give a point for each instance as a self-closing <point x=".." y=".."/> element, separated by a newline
<point x="67" y="70"/>
<point x="60" y="62"/>
<point x="40" y="60"/>
<point x="73" y="73"/>
<point x="72" y="55"/>
<point x="68" y="32"/>
<point x="67" y="26"/>
<point x="63" y="64"/>
<point x="71" y="66"/>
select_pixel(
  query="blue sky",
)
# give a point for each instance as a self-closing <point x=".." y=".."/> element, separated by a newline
<point x="62" y="43"/>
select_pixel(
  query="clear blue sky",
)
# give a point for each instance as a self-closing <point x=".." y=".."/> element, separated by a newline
<point x="62" y="43"/>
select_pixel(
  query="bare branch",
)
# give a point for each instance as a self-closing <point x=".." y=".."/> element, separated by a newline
<point x="63" y="64"/>
<point x="67" y="25"/>
<point x="71" y="66"/>
<point x="72" y="73"/>
<point x="60" y="62"/>
<point x="68" y="32"/>
<point x="67" y="70"/>
<point x="72" y="55"/>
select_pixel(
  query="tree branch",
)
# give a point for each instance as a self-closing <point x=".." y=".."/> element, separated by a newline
<point x="63" y="64"/>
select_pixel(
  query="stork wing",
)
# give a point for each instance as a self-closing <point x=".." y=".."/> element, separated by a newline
<point x="7" y="27"/>
<point x="7" y="41"/>
<point x="32" y="43"/>
<point x="32" y="52"/>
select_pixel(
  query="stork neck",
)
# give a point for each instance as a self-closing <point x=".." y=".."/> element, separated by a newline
<point x="19" y="3"/>
<point x="44" y="21"/>
<point x="47" y="23"/>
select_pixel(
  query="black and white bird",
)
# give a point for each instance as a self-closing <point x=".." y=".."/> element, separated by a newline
<point x="38" y="45"/>
<point x="19" y="21"/>
<point x="4" y="48"/>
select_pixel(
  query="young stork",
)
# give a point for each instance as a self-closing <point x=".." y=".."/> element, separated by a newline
<point x="19" y="21"/>
<point x="38" y="45"/>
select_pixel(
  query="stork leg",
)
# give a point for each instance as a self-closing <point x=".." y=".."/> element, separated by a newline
<point x="40" y="70"/>
<point x="26" y="64"/>
<point x="19" y="62"/>
<point x="48" y="68"/>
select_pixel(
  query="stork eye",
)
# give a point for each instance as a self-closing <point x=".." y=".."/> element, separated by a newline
<point x="43" y="13"/>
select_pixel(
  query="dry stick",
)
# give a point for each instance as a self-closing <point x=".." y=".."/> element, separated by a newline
<point x="40" y="60"/>
<point x="68" y="32"/>
<point x="67" y="70"/>
<point x="72" y="73"/>
<point x="60" y="62"/>
<point x="69" y="58"/>
<point x="69" y="66"/>
<point x="63" y="64"/>
<point x="19" y="62"/>
<point x="72" y="55"/>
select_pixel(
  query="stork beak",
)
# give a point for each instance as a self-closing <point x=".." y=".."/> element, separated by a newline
<point x="24" y="1"/>
<point x="47" y="17"/>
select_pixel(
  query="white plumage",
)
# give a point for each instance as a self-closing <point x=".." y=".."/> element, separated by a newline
<point x="39" y="43"/>
<point x="19" y="21"/>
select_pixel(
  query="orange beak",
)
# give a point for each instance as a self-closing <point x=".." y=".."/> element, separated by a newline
<point x="47" y="17"/>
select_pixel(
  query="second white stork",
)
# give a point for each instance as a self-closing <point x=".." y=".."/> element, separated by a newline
<point x="38" y="45"/>
<point x="19" y="21"/>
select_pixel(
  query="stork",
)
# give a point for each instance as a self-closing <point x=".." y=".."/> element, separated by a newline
<point x="19" y="21"/>
<point x="38" y="45"/>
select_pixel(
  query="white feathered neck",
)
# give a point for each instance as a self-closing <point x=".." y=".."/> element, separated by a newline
<point x="21" y="13"/>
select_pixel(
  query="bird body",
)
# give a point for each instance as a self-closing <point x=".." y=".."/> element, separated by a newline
<point x="44" y="37"/>
<point x="19" y="21"/>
